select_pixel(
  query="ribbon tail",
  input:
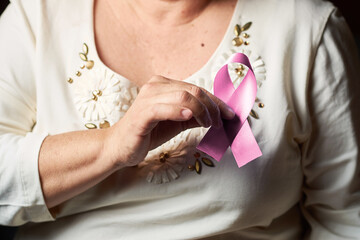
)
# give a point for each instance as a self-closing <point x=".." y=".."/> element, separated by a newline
<point x="244" y="147"/>
<point x="215" y="143"/>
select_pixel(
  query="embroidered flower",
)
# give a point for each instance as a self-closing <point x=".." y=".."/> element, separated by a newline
<point x="100" y="94"/>
<point x="205" y="159"/>
<point x="236" y="72"/>
<point x="165" y="163"/>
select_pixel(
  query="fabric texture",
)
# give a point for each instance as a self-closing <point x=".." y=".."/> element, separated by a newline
<point x="306" y="184"/>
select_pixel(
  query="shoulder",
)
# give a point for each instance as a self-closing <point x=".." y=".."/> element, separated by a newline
<point x="303" y="8"/>
<point x="291" y="22"/>
<point x="309" y="12"/>
<point x="304" y="15"/>
<point x="310" y="18"/>
<point x="291" y="13"/>
<point x="36" y="12"/>
<point x="48" y="4"/>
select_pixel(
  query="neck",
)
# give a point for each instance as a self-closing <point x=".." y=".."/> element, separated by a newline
<point x="167" y="12"/>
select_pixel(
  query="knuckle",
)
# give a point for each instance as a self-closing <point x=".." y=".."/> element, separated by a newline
<point x="215" y="107"/>
<point x="157" y="78"/>
<point x="201" y="110"/>
<point x="205" y="91"/>
<point x="221" y="105"/>
<point x="154" y="78"/>
<point x="214" y="113"/>
<point x="184" y="96"/>
<point x="218" y="102"/>
<point x="147" y="86"/>
<point x="196" y="91"/>
<point x="153" y="111"/>
<point x="218" y="111"/>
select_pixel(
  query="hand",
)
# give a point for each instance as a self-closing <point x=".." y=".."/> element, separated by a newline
<point x="163" y="108"/>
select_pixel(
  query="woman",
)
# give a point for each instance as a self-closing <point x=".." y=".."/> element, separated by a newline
<point x="104" y="102"/>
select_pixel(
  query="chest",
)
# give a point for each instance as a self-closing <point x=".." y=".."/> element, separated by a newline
<point x="138" y="51"/>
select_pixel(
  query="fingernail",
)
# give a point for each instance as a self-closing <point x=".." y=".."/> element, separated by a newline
<point x="186" y="113"/>
<point x="229" y="113"/>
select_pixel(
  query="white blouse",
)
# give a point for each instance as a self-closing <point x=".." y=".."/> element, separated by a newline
<point x="305" y="120"/>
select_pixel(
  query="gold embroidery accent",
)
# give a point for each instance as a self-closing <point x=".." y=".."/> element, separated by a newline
<point x="238" y="41"/>
<point x="237" y="30"/>
<point x="85" y="49"/>
<point x="89" y="64"/>
<point x="90" y="126"/>
<point x="96" y="94"/>
<point x="198" y="166"/>
<point x="246" y="26"/>
<point x="104" y="124"/>
<point x="84" y="56"/>
<point x="240" y="70"/>
<point x="163" y="157"/>
<point x="207" y="162"/>
<point x="254" y="114"/>
<point x="245" y="35"/>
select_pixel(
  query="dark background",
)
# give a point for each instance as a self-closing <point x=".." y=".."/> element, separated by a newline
<point x="348" y="8"/>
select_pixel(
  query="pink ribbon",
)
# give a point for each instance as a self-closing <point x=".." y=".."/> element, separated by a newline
<point x="235" y="133"/>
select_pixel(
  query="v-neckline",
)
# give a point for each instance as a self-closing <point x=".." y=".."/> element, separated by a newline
<point x="228" y="34"/>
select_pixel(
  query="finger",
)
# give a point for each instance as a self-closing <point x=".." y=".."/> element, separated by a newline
<point x="226" y="111"/>
<point x="211" y="106"/>
<point x="165" y="130"/>
<point x="186" y="100"/>
<point x="156" y="88"/>
<point x="163" y="112"/>
<point x="156" y="84"/>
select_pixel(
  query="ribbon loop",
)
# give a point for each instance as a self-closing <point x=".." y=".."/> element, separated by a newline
<point x="236" y="132"/>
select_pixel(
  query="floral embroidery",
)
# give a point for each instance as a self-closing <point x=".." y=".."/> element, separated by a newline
<point x="238" y="40"/>
<point x="100" y="96"/>
<point x="197" y="166"/>
<point x="89" y="64"/>
<point x="257" y="64"/>
<point x="165" y="163"/>
<point x="238" y="71"/>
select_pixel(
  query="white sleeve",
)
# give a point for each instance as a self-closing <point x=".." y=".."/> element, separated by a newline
<point x="21" y="198"/>
<point x="331" y="203"/>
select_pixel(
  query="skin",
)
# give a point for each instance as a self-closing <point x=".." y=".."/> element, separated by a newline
<point x="73" y="162"/>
